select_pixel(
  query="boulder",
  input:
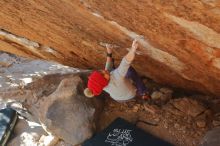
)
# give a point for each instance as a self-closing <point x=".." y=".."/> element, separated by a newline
<point x="67" y="113"/>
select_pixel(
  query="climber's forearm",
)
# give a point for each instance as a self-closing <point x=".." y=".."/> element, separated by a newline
<point x="108" y="65"/>
<point x="109" y="59"/>
<point x="130" y="56"/>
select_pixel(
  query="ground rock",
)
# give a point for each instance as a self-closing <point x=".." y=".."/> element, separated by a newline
<point x="166" y="91"/>
<point x="162" y="96"/>
<point x="156" y="95"/>
<point x="216" y="123"/>
<point x="63" y="143"/>
<point x="48" y="140"/>
<point x="211" y="138"/>
<point x="6" y="60"/>
<point x="201" y="123"/>
<point x="23" y="71"/>
<point x="151" y="108"/>
<point x="189" y="106"/>
<point x="26" y="134"/>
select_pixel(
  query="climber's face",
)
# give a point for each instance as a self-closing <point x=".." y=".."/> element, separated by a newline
<point x="106" y="74"/>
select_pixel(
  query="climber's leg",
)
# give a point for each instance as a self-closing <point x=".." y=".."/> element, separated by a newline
<point x="132" y="74"/>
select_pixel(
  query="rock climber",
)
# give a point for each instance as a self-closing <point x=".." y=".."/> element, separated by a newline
<point x="122" y="83"/>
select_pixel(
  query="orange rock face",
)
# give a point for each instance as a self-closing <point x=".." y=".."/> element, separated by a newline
<point x="180" y="44"/>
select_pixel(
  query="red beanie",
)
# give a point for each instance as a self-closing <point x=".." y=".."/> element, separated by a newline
<point x="97" y="82"/>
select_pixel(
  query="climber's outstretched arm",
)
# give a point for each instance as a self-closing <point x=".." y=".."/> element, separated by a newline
<point x="126" y="61"/>
<point x="131" y="54"/>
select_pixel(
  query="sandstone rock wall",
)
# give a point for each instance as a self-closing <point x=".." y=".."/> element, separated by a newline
<point x="180" y="46"/>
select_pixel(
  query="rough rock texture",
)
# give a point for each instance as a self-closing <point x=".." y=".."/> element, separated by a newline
<point x="189" y="106"/>
<point x="164" y="121"/>
<point x="67" y="113"/>
<point x="212" y="138"/>
<point x="17" y="72"/>
<point x="180" y="45"/>
<point x="42" y="92"/>
<point x="164" y="95"/>
<point x="25" y="134"/>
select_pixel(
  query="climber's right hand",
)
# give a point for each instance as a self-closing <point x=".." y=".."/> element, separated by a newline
<point x="134" y="46"/>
